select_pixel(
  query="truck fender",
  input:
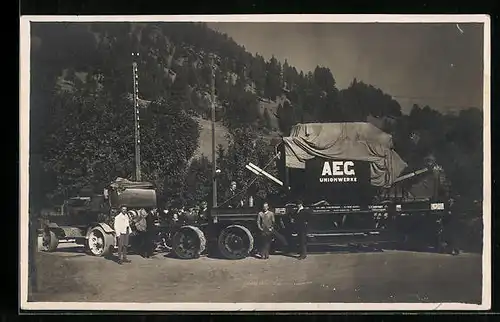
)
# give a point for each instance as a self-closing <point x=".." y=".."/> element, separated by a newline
<point x="52" y="225"/>
<point x="107" y="229"/>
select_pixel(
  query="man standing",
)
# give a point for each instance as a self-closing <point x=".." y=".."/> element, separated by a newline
<point x="265" y="223"/>
<point x="301" y="224"/>
<point x="148" y="243"/>
<point x="122" y="230"/>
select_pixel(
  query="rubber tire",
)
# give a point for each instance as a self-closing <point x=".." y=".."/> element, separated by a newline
<point x="53" y="243"/>
<point x="224" y="252"/>
<point x="202" y="242"/>
<point x="108" y="243"/>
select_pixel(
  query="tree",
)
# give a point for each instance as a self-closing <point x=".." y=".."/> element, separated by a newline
<point x="90" y="142"/>
<point x="360" y="100"/>
<point x="242" y="109"/>
<point x="198" y="181"/>
<point x="323" y="79"/>
<point x="245" y="147"/>
<point x="169" y="141"/>
<point x="267" y="120"/>
<point x="273" y="80"/>
<point x="286" y="117"/>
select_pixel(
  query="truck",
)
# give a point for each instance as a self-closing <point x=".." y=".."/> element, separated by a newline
<point x="356" y="190"/>
<point x="355" y="187"/>
<point x="88" y="220"/>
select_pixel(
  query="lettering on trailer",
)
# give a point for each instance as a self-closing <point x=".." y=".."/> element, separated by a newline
<point x="338" y="171"/>
<point x="340" y="181"/>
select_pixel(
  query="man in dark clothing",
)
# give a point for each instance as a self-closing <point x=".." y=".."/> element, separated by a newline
<point x="265" y="223"/>
<point x="301" y="224"/>
<point x="283" y="233"/>
<point x="144" y="227"/>
<point x="447" y="238"/>
<point x="149" y="235"/>
<point x="203" y="213"/>
<point x="235" y="201"/>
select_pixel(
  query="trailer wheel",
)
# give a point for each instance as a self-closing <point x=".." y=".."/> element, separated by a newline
<point x="49" y="241"/>
<point x="235" y="242"/>
<point x="188" y="242"/>
<point x="99" y="243"/>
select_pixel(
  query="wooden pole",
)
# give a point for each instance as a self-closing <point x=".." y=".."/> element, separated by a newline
<point x="136" y="120"/>
<point x="214" y="158"/>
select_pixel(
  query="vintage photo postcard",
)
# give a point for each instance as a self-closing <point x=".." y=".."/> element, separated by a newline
<point x="255" y="163"/>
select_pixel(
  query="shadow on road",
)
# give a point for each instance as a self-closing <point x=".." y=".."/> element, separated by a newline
<point x="72" y="249"/>
<point x="78" y="251"/>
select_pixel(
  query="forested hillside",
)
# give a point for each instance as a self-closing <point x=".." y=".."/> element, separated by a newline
<point x="82" y="117"/>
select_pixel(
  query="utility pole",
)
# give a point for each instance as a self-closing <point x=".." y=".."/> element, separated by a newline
<point x="214" y="158"/>
<point x="136" y="119"/>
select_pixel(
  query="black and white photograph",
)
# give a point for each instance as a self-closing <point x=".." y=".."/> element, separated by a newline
<point x="258" y="162"/>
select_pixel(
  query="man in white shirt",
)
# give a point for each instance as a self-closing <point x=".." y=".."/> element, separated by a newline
<point x="122" y="230"/>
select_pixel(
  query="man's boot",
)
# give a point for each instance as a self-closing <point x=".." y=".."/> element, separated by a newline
<point x="125" y="259"/>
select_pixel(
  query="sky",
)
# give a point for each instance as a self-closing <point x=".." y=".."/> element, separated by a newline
<point x="440" y="65"/>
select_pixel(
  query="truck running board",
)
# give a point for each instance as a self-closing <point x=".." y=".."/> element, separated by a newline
<point x="344" y="234"/>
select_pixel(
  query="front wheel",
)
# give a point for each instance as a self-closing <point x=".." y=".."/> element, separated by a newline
<point x="49" y="241"/>
<point x="99" y="243"/>
<point x="235" y="242"/>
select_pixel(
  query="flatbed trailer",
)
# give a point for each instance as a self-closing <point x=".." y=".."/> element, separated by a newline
<point x="235" y="231"/>
<point x="347" y="166"/>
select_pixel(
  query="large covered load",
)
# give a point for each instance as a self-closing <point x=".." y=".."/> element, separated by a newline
<point x="357" y="141"/>
<point x="132" y="194"/>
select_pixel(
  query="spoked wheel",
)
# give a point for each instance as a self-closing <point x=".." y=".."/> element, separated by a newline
<point x="188" y="242"/>
<point x="235" y="242"/>
<point x="99" y="242"/>
<point x="49" y="241"/>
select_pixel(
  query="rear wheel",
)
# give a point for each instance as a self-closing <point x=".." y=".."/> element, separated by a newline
<point x="235" y="242"/>
<point x="49" y="241"/>
<point x="188" y="242"/>
<point x="99" y="243"/>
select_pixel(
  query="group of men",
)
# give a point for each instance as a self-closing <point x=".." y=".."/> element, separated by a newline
<point x="266" y="223"/>
<point x="190" y="215"/>
<point x="144" y="235"/>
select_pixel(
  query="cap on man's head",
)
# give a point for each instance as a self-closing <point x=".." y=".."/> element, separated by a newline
<point x="233" y="182"/>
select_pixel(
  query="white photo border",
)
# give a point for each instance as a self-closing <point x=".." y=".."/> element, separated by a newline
<point x="24" y="92"/>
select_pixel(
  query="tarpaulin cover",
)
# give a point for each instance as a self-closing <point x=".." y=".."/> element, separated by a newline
<point x="339" y="141"/>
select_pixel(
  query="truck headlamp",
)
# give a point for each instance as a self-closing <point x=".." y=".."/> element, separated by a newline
<point x="437" y="206"/>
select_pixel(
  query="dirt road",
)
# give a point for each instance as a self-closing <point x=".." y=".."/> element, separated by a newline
<point x="389" y="276"/>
